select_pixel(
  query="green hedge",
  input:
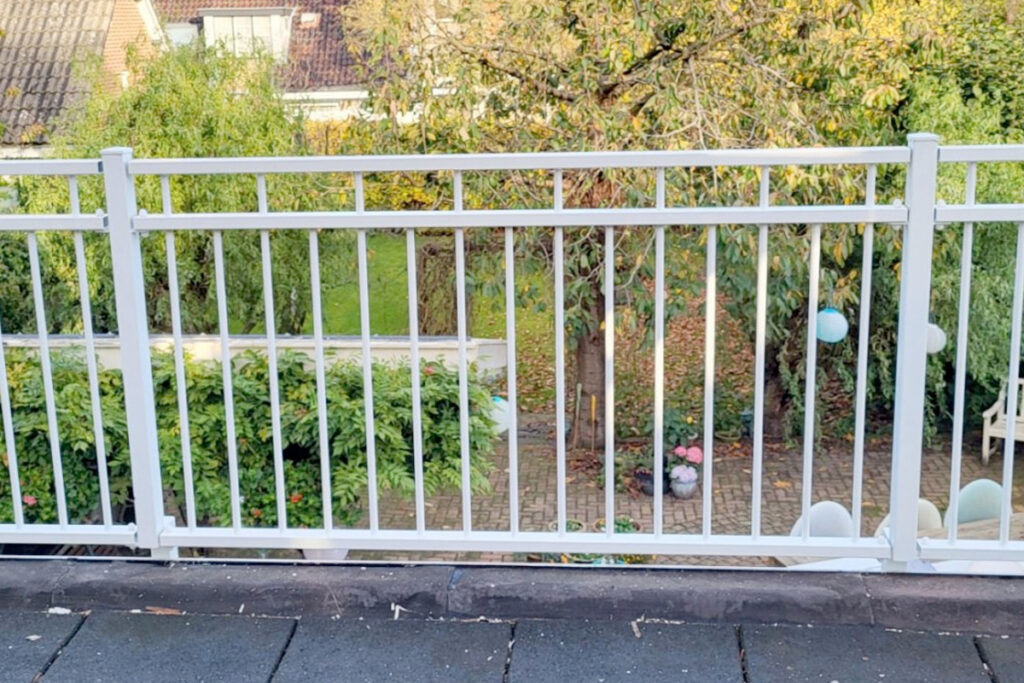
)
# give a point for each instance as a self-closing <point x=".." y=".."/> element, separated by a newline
<point x="300" y="436"/>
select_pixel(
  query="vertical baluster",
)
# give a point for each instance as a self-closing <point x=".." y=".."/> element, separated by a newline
<point x="227" y="380"/>
<point x="710" y="320"/>
<point x="959" y="391"/>
<point x="809" y="384"/>
<point x="460" y="297"/>
<point x="609" y="380"/>
<point x="44" y="359"/>
<point x="321" y="381"/>
<point x="759" y="354"/>
<point x="559" y="263"/>
<point x="275" y="391"/>
<point x="863" y="338"/>
<point x="90" y="359"/>
<point x="414" y="367"/>
<point x="8" y="424"/>
<point x="364" y="329"/>
<point x="1012" y="388"/>
<point x="659" y="358"/>
<point x="179" y="360"/>
<point x="513" y="401"/>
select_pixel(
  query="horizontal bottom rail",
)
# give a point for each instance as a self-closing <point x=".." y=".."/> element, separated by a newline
<point x="503" y="541"/>
<point x="964" y="549"/>
<point x="71" y="534"/>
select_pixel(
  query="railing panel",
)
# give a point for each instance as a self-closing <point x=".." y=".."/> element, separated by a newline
<point x="920" y="212"/>
<point x="76" y="461"/>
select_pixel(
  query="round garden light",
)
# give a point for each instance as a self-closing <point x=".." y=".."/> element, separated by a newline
<point x="936" y="338"/>
<point x="832" y="326"/>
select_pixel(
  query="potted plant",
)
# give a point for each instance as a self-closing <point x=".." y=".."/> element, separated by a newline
<point x="644" y="476"/>
<point x="684" y="471"/>
<point x="571" y="525"/>
<point x="623" y="525"/>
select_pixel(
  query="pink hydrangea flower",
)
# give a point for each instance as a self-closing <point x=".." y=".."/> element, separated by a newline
<point x="29" y="500"/>
<point x="679" y="451"/>
<point x="695" y="455"/>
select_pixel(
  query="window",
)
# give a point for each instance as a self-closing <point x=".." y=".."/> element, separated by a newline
<point x="182" y="34"/>
<point x="246" y="31"/>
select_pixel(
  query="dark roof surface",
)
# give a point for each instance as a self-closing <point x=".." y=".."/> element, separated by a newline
<point x="318" y="58"/>
<point x="42" y="40"/>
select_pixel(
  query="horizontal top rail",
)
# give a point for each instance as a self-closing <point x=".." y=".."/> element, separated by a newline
<point x="57" y="167"/>
<point x="736" y="215"/>
<point x="979" y="213"/>
<point x="85" y="222"/>
<point x="529" y="161"/>
<point x="980" y="153"/>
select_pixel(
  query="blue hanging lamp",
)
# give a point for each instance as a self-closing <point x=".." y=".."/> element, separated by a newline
<point x="831" y="326"/>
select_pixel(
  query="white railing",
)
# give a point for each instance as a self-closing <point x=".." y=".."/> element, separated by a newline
<point x="153" y="529"/>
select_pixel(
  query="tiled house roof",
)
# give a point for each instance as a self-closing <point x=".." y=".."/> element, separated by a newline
<point x="42" y="41"/>
<point x="318" y="58"/>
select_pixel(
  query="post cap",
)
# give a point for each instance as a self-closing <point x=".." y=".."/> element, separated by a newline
<point x="116" y="151"/>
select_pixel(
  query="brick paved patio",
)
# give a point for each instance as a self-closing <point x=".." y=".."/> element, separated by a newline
<point x="833" y="476"/>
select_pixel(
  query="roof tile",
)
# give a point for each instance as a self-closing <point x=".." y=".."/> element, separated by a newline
<point x="318" y="57"/>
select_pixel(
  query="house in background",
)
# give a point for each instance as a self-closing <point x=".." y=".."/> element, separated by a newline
<point x="306" y="38"/>
<point x="42" y="42"/>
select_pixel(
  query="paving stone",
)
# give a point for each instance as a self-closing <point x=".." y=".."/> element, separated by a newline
<point x="560" y="651"/>
<point x="119" y="647"/>
<point x="405" y="650"/>
<point x="847" y="654"/>
<point x="1006" y="657"/>
<point x="21" y="658"/>
<point x="781" y="495"/>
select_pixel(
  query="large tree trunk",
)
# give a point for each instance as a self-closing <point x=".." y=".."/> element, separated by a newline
<point x="588" y="427"/>
<point x="774" y="396"/>
<point x="435" y="286"/>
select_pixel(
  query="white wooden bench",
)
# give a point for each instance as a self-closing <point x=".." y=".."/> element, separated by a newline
<point x="995" y="422"/>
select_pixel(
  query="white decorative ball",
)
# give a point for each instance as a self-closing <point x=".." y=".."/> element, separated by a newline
<point x="832" y="326"/>
<point x="936" y="338"/>
<point x="501" y="414"/>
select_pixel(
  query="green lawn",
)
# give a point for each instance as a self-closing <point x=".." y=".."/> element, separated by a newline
<point x="389" y="301"/>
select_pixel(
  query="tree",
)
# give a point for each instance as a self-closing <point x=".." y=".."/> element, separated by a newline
<point x="185" y="102"/>
<point x="588" y="74"/>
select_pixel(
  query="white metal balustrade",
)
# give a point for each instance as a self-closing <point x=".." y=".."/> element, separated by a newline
<point x="918" y="213"/>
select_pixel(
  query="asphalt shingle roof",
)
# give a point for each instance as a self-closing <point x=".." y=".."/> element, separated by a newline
<point x="41" y="43"/>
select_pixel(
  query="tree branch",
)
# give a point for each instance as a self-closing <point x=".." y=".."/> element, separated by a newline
<point x="546" y="88"/>
<point x="630" y="75"/>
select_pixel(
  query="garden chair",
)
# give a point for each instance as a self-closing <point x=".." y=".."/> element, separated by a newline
<point x="981" y="499"/>
<point x="928" y="517"/>
<point x="828" y="518"/>
<point x="994" y="421"/>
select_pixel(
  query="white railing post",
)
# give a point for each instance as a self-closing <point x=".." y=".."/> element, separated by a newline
<point x="133" y="334"/>
<point x="911" y="353"/>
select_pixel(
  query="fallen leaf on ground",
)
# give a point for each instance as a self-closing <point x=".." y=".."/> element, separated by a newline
<point x="782" y="484"/>
<point x="162" y="610"/>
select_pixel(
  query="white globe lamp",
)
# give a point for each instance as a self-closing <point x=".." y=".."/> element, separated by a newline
<point x="936" y="338"/>
<point x="831" y="326"/>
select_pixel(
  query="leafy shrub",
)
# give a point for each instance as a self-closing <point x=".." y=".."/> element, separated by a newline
<point x="299" y="431"/>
